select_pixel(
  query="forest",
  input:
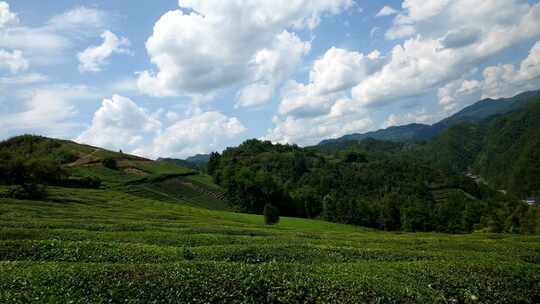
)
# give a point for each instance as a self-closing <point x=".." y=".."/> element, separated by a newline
<point x="414" y="186"/>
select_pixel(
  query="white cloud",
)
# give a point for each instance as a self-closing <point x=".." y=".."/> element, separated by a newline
<point x="48" y="110"/>
<point x="386" y="11"/>
<point x="457" y="94"/>
<point x="23" y="79"/>
<point x="255" y="94"/>
<point x="79" y="18"/>
<point x="438" y="55"/>
<point x="214" y="45"/>
<point x="271" y="66"/>
<point x="336" y="71"/>
<point x="436" y="18"/>
<point x="94" y="58"/>
<point x="120" y="124"/>
<point x="500" y="81"/>
<point x="6" y="16"/>
<point x="13" y="61"/>
<point x="47" y="44"/>
<point x="421" y="116"/>
<point x="311" y="130"/>
<point x="321" y="109"/>
<point x="423" y="64"/>
<point x="202" y="133"/>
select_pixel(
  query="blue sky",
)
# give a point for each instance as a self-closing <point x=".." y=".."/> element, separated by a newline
<point x="177" y="78"/>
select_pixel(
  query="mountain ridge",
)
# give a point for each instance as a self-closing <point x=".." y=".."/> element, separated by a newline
<point x="476" y="112"/>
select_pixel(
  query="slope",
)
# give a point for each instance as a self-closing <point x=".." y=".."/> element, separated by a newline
<point x="130" y="174"/>
<point x="510" y="157"/>
<point x="105" y="246"/>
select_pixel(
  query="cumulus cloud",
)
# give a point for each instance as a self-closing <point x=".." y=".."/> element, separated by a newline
<point x="13" y="61"/>
<point x="48" y="110"/>
<point x="255" y="94"/>
<point x="120" y="124"/>
<point x="94" y="58"/>
<point x="436" y="18"/>
<point x="336" y="71"/>
<point x="458" y="93"/>
<point x="311" y="130"/>
<point x="212" y="44"/>
<point x="500" y="81"/>
<point x="420" y="116"/>
<point x="436" y="57"/>
<point x="271" y="66"/>
<point x="451" y="39"/>
<point x="320" y="109"/>
<point x="386" y="11"/>
<point x="6" y="15"/>
<point x="201" y="133"/>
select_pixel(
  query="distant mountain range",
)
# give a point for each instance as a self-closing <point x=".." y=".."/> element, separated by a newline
<point x="419" y="132"/>
<point x="197" y="162"/>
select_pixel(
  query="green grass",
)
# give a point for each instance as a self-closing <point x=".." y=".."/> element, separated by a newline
<point x="106" y="246"/>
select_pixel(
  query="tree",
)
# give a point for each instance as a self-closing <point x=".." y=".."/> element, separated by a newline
<point x="391" y="212"/>
<point x="308" y="202"/>
<point x="329" y="207"/>
<point x="213" y="164"/>
<point x="271" y="214"/>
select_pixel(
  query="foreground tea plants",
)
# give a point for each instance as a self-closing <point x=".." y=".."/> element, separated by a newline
<point x="102" y="246"/>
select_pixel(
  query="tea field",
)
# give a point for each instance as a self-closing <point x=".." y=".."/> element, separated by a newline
<point x="108" y="246"/>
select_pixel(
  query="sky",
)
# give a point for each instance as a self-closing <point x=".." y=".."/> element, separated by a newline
<point x="175" y="78"/>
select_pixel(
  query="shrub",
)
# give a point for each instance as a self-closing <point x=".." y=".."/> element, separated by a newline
<point x="271" y="214"/>
<point x="27" y="192"/>
<point x="110" y="163"/>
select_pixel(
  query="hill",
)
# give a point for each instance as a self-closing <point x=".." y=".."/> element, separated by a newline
<point x="130" y="174"/>
<point x="395" y="133"/>
<point x="196" y="162"/>
<point x="510" y="154"/>
<point x="385" y="185"/>
<point x="475" y="113"/>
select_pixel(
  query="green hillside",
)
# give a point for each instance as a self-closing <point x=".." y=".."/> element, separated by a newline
<point x="106" y="246"/>
<point x="131" y="174"/>
<point x="510" y="157"/>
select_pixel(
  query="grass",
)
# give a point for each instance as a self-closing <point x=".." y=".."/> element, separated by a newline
<point x="107" y="246"/>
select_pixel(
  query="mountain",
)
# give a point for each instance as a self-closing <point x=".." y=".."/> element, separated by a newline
<point x="196" y="162"/>
<point x="199" y="158"/>
<point x="396" y="133"/>
<point x="510" y="154"/>
<point x="477" y="112"/>
<point x="502" y="149"/>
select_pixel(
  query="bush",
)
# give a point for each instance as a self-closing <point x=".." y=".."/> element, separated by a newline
<point x="110" y="163"/>
<point x="271" y="214"/>
<point x="27" y="192"/>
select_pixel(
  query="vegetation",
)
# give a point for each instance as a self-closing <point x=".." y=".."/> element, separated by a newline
<point x="106" y="246"/>
<point x="352" y="185"/>
<point x="271" y="214"/>
<point x="30" y="164"/>
<point x="135" y="235"/>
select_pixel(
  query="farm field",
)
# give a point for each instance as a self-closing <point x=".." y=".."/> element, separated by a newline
<point x="107" y="246"/>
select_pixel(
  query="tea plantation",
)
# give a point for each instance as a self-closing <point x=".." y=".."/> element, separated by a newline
<point x="108" y="246"/>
